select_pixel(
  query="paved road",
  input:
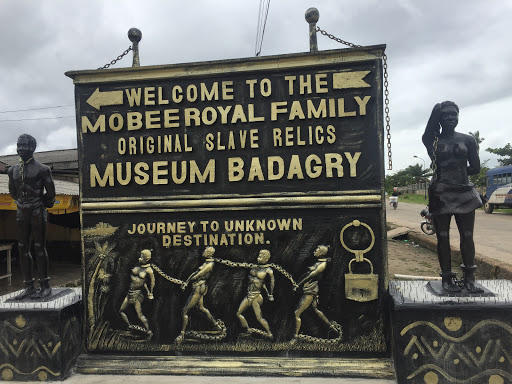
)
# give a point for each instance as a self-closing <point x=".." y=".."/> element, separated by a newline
<point x="493" y="233"/>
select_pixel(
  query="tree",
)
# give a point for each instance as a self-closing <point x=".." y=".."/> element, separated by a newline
<point x="505" y="152"/>
<point x="478" y="139"/>
<point x="479" y="178"/>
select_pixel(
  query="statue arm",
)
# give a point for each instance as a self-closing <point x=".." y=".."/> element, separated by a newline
<point x="270" y="292"/>
<point x="432" y="130"/>
<point x="201" y="271"/>
<point x="12" y="185"/>
<point x="49" y="185"/>
<point x="151" y="283"/>
<point x="315" y="272"/>
<point x="473" y="158"/>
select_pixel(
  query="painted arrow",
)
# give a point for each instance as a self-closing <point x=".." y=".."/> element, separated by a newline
<point x="343" y="80"/>
<point x="100" y="99"/>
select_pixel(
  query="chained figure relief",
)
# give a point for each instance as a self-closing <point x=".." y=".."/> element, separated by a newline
<point x="454" y="157"/>
<point x="28" y="182"/>
<point x="310" y="290"/>
<point x="199" y="289"/>
<point x="257" y="276"/>
<point x="141" y="275"/>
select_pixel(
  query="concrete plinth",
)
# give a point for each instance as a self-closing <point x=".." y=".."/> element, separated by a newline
<point x="451" y="339"/>
<point x="40" y="340"/>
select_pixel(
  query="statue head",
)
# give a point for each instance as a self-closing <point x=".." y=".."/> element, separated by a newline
<point x="449" y="116"/>
<point x="208" y="252"/>
<point x="145" y="256"/>
<point x="263" y="256"/>
<point x="321" y="250"/>
<point x="26" y="146"/>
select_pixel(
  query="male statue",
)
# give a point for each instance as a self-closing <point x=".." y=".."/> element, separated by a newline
<point x="28" y="181"/>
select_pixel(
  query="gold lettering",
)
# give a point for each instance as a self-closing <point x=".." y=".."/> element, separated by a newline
<point x="100" y="124"/>
<point x="352" y="160"/>
<point x="142" y="177"/>
<point x="153" y="119"/>
<point x="333" y="161"/>
<point x="108" y="176"/>
<point x="235" y="169"/>
<point x="149" y="95"/>
<point x="272" y="161"/>
<point x="168" y="118"/>
<point x="321" y="83"/>
<point x="157" y="172"/>
<point x="133" y="96"/>
<point x="362" y="104"/>
<point x="134" y="120"/>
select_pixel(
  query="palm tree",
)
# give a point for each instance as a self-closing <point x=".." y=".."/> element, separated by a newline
<point x="478" y="139"/>
<point x="100" y="263"/>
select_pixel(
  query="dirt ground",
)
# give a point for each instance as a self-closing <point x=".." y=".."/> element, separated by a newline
<point x="407" y="258"/>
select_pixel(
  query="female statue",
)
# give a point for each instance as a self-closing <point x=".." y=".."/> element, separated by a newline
<point x="454" y="157"/>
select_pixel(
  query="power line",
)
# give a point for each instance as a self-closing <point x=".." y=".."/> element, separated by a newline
<point x="260" y="32"/>
<point x="39" y="118"/>
<point x="38" y="109"/>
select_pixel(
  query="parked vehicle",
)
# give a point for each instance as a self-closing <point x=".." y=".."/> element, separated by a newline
<point x="427" y="225"/>
<point x="498" y="188"/>
<point x="393" y="201"/>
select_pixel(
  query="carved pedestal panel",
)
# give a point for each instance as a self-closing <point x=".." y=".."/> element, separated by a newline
<point x="452" y="339"/>
<point x="40" y="340"/>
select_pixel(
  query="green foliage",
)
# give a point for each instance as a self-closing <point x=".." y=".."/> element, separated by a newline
<point x="479" y="178"/>
<point x="478" y="139"/>
<point x="505" y="152"/>
<point x="413" y="199"/>
<point x="413" y="174"/>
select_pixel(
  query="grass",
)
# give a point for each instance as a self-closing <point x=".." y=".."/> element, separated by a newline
<point x="420" y="199"/>
<point x="414" y="199"/>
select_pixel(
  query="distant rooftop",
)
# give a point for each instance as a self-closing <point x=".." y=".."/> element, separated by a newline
<point x="61" y="187"/>
<point x="63" y="159"/>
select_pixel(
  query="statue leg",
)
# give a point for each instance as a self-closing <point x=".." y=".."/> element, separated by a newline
<point x="304" y="303"/>
<point x="26" y="262"/>
<point x="466" y="223"/>
<point x="442" y="225"/>
<point x="121" y="311"/>
<point x="39" y="227"/>
<point x="243" y="306"/>
<point x="207" y="313"/>
<point x="256" y="306"/>
<point x="192" y="301"/>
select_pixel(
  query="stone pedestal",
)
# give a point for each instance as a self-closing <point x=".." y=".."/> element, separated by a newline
<point x="40" y="340"/>
<point x="440" y="340"/>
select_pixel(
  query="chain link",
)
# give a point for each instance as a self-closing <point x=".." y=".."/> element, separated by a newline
<point x="386" y="90"/>
<point x="277" y="267"/>
<point x="434" y="157"/>
<point x="167" y="277"/>
<point x="334" y="325"/>
<point x="117" y="59"/>
<point x="204" y="336"/>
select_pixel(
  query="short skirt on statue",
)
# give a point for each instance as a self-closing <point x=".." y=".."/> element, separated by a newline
<point x="452" y="198"/>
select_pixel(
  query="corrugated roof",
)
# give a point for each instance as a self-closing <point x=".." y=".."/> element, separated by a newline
<point x="48" y="157"/>
<point x="61" y="187"/>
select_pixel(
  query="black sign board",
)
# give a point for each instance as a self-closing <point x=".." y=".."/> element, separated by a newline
<point x="234" y="206"/>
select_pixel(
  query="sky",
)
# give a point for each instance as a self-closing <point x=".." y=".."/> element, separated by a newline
<point x="455" y="50"/>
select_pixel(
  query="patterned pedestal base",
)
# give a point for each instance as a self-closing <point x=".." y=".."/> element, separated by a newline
<point x="439" y="340"/>
<point x="40" y="340"/>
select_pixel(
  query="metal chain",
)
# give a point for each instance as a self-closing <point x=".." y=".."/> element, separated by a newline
<point x="277" y="267"/>
<point x="117" y="59"/>
<point x="334" y="325"/>
<point x="259" y="332"/>
<point x="386" y="90"/>
<point x="434" y="160"/>
<point x="203" y="336"/>
<point x="167" y="277"/>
